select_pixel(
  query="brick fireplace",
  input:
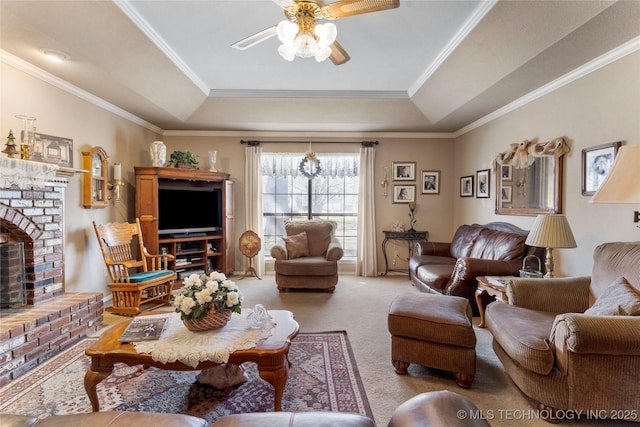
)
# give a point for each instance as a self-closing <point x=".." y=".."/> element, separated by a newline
<point x="32" y="213"/>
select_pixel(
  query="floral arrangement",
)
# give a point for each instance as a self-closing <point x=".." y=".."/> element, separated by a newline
<point x="201" y="293"/>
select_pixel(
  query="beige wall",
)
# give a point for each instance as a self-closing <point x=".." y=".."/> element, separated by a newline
<point x="433" y="212"/>
<point x="602" y="107"/>
<point x="62" y="114"/>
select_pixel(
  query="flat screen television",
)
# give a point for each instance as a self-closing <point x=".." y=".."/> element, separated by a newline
<point x="189" y="209"/>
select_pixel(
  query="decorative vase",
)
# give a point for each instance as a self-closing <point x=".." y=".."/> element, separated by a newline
<point x="212" y="320"/>
<point x="158" y="153"/>
<point x="212" y="160"/>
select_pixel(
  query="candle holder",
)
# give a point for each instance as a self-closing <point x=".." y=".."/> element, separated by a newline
<point x="27" y="136"/>
<point x="117" y="181"/>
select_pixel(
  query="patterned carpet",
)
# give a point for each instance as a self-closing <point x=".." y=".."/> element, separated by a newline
<point x="323" y="377"/>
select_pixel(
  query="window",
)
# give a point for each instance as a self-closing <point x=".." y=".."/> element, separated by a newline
<point x="332" y="195"/>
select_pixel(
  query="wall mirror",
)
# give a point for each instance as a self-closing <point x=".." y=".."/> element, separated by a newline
<point x="530" y="184"/>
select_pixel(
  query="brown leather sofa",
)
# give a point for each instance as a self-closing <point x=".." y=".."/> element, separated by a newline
<point x="104" y="419"/>
<point x="432" y="409"/>
<point x="494" y="249"/>
<point x="307" y="257"/>
<point x="574" y="343"/>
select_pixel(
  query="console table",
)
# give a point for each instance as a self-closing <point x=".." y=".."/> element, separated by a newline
<point x="409" y="236"/>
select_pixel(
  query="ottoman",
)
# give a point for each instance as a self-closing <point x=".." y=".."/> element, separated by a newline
<point x="434" y="331"/>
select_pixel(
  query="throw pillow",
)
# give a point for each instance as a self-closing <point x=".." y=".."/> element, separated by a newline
<point x="619" y="299"/>
<point x="297" y="245"/>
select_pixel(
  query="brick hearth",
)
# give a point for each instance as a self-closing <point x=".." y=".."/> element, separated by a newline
<point x="31" y="335"/>
<point x="32" y="212"/>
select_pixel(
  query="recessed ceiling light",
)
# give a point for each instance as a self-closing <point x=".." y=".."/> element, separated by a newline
<point x="55" y="55"/>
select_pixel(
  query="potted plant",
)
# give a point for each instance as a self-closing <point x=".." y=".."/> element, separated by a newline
<point x="183" y="159"/>
<point x="207" y="302"/>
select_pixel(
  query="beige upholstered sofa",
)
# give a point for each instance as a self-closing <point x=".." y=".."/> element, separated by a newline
<point x="574" y="343"/>
<point x="307" y="256"/>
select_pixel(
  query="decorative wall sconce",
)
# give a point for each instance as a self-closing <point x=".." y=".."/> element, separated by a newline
<point x="385" y="181"/>
<point x="117" y="181"/>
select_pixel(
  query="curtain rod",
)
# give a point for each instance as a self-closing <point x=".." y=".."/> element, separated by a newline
<point x="257" y="143"/>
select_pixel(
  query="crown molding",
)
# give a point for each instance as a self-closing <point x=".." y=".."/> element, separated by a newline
<point x="483" y="8"/>
<point x="43" y="75"/>
<point x="293" y="134"/>
<point x="132" y="13"/>
<point x="603" y="60"/>
<point x="333" y="94"/>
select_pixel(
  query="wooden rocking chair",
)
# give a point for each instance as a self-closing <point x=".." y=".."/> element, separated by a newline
<point x="149" y="280"/>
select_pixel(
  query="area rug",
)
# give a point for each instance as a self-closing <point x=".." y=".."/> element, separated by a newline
<point x="323" y="377"/>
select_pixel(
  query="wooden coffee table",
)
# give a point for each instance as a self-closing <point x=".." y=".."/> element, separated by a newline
<point x="490" y="289"/>
<point x="270" y="354"/>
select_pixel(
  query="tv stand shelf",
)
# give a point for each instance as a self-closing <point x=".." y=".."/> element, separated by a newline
<point x="199" y="252"/>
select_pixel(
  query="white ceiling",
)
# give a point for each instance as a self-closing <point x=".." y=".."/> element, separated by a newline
<point x="427" y="66"/>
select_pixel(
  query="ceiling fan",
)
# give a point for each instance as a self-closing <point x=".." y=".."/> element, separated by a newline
<point x="301" y="34"/>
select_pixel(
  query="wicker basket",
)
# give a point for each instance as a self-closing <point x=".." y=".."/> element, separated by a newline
<point x="212" y="320"/>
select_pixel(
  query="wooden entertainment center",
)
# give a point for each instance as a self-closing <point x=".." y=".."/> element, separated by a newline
<point x="194" y="252"/>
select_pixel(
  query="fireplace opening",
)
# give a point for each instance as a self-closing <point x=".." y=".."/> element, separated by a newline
<point x="12" y="275"/>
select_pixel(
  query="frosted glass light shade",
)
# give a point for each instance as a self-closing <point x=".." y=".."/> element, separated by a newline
<point x="286" y="31"/>
<point x="326" y="34"/>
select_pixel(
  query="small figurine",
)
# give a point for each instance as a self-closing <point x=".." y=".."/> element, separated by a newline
<point x="10" y="149"/>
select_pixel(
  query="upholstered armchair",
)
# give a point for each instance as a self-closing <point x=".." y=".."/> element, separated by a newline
<point x="574" y="343"/>
<point x="307" y="257"/>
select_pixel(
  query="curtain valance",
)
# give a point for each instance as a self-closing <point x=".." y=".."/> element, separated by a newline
<point x="284" y="165"/>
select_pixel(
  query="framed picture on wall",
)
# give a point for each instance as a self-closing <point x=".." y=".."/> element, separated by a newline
<point x="404" y="193"/>
<point x="466" y="186"/>
<point x="430" y="182"/>
<point x="404" y="171"/>
<point x="482" y="184"/>
<point x="53" y="149"/>
<point x="506" y="193"/>
<point x="596" y="164"/>
<point x="506" y="172"/>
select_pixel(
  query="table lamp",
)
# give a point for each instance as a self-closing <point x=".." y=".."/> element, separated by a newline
<point x="622" y="184"/>
<point x="551" y="231"/>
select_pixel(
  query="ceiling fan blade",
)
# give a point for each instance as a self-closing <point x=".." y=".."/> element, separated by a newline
<point x="284" y="3"/>
<point x="338" y="55"/>
<point x="253" y="40"/>
<point x="344" y="8"/>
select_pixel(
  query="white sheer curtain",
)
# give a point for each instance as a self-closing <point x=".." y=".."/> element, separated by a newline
<point x="367" y="262"/>
<point x="253" y="197"/>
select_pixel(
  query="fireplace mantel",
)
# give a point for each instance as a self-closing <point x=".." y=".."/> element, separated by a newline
<point x="25" y="174"/>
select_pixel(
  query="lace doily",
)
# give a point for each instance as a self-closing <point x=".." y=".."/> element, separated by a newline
<point x="180" y="344"/>
<point x="25" y="174"/>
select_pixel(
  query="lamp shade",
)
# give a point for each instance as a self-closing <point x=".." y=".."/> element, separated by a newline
<point x="551" y="231"/>
<point x="622" y="184"/>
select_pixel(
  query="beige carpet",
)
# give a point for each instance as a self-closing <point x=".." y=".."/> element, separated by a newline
<point x="359" y="306"/>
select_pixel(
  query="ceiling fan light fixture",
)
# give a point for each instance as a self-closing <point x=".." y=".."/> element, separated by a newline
<point x="306" y="41"/>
